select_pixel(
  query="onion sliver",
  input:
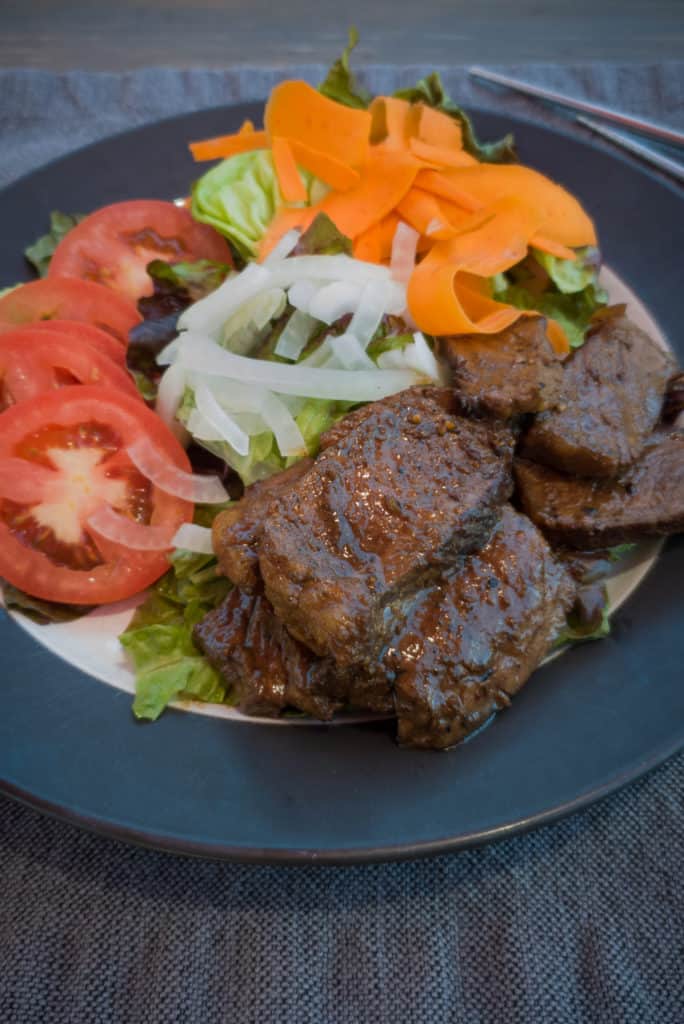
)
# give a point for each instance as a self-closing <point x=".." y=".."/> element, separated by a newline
<point x="204" y="490"/>
<point x="168" y="354"/>
<point x="200" y="429"/>
<point x="404" y="248"/>
<point x="190" y="537"/>
<point x="24" y="481"/>
<point x="283" y="247"/>
<point x="335" y="300"/>
<point x="280" y="420"/>
<point x="219" y="418"/>
<point x="324" y="268"/>
<point x="169" y="396"/>
<point x="350" y="353"/>
<point x="295" y="335"/>
<point x="420" y="357"/>
<point x="301" y="294"/>
<point x="210" y="313"/>
<point x="111" y="525"/>
<point x="203" y="356"/>
<point x="370" y="311"/>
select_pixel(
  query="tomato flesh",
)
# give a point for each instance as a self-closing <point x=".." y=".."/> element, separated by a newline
<point x="66" y="298"/>
<point x="32" y="362"/>
<point x="80" y="435"/>
<point x="104" y="342"/>
<point x="114" y="245"/>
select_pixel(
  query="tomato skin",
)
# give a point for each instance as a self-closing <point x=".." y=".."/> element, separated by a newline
<point x="67" y="298"/>
<point x="105" y="343"/>
<point x="122" y="572"/>
<point x="114" y="245"/>
<point x="31" y="361"/>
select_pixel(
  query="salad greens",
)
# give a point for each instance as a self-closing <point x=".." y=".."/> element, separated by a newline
<point x="430" y="90"/>
<point x="567" y="291"/>
<point x="159" y="641"/>
<point x="239" y="198"/>
<point x="340" y="84"/>
<point x="42" y="250"/>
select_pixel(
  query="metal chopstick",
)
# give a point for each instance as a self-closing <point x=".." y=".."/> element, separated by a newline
<point x="656" y="131"/>
<point x="672" y="167"/>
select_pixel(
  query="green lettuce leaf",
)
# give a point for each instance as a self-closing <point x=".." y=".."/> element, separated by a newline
<point x="571" y="276"/>
<point x="41" y="611"/>
<point x="340" y="83"/>
<point x="194" y="280"/>
<point x="323" y="238"/>
<point x="239" y="198"/>
<point x="431" y="90"/>
<point x="43" y="249"/>
<point x="159" y="641"/>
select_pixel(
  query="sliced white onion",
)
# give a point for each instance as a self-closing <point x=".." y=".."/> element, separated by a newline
<point x="325" y="268"/>
<point x="251" y="422"/>
<point x="283" y="248"/>
<point x="190" y="537"/>
<point x="370" y="311"/>
<point x="217" y="417"/>
<point x="111" y="525"/>
<point x="320" y="355"/>
<point x="301" y="294"/>
<point x="24" y="481"/>
<point x="349" y="353"/>
<point x="159" y="470"/>
<point x="170" y="394"/>
<point x="200" y="429"/>
<point x="404" y="247"/>
<point x="203" y="356"/>
<point x="281" y="421"/>
<point x="392" y="360"/>
<point x="295" y="335"/>
<point x="243" y="329"/>
<point x="168" y="353"/>
<point x="419" y="356"/>
<point x="210" y="313"/>
<point x="335" y="300"/>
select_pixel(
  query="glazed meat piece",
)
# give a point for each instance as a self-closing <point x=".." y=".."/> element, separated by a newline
<point x="613" y="388"/>
<point x="515" y="371"/>
<point x="471" y="643"/>
<point x="236" y="531"/>
<point x="402" y="494"/>
<point x="646" y="501"/>
<point x="271" y="671"/>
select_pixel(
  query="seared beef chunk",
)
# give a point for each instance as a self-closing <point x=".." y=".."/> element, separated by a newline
<point x="471" y="642"/>
<point x="512" y="372"/>
<point x="647" y="500"/>
<point x="613" y="389"/>
<point x="271" y="671"/>
<point x="237" y="530"/>
<point x="396" y="500"/>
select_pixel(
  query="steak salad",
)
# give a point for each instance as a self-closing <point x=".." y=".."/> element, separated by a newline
<point x="355" y="418"/>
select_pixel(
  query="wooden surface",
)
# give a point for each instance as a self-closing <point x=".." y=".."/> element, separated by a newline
<point x="120" y="34"/>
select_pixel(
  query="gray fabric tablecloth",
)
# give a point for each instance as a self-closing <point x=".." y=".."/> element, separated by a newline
<point x="579" y="922"/>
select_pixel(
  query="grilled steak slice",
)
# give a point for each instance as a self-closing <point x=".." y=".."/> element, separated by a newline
<point x="400" y="496"/>
<point x="470" y="643"/>
<point x="515" y="371"/>
<point x="236" y="531"/>
<point x="613" y="389"/>
<point x="271" y="671"/>
<point x="647" y="500"/>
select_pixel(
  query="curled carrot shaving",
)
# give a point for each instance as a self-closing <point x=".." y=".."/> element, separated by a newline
<point x="289" y="179"/>
<point x="424" y="213"/>
<point x="333" y="172"/>
<point x="224" y="146"/>
<point x="440" y="185"/>
<point x="440" y="156"/>
<point x="390" y="121"/>
<point x="297" y="111"/>
<point x="436" y="128"/>
<point x="387" y="177"/>
<point x="285" y="220"/>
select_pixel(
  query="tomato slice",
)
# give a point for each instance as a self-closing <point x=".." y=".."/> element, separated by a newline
<point x="114" y="245"/>
<point x="65" y="298"/>
<point x="63" y="456"/>
<point x="100" y="340"/>
<point x="32" y="362"/>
